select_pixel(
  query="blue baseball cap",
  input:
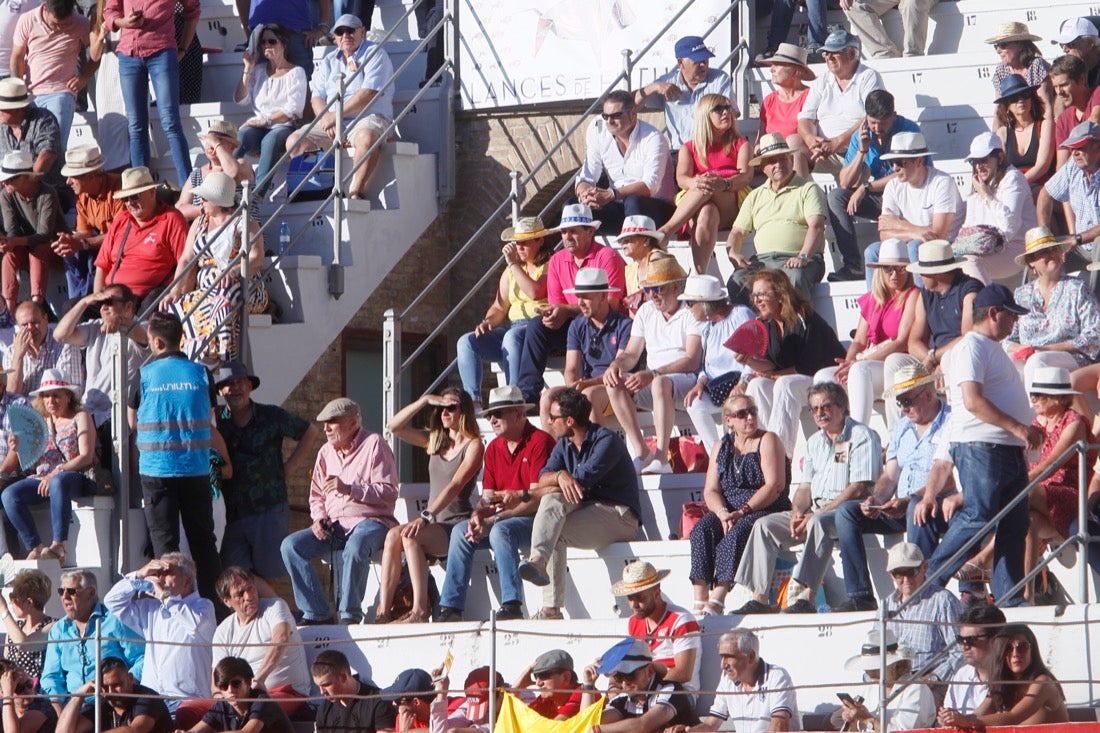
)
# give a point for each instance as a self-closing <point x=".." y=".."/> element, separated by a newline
<point x="410" y="683"/>
<point x="692" y="47"/>
<point x="625" y="657"/>
<point x="839" y="40"/>
<point x="998" y="296"/>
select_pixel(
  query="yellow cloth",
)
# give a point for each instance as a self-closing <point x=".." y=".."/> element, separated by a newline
<point x="520" y="307"/>
<point x="515" y="717"/>
<point x="779" y="218"/>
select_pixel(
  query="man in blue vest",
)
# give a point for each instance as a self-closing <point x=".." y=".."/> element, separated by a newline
<point x="171" y="411"/>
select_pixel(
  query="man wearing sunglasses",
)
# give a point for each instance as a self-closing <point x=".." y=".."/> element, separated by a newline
<point x="969" y="685"/>
<point x="1079" y="37"/>
<point x="129" y="705"/>
<point x="647" y="703"/>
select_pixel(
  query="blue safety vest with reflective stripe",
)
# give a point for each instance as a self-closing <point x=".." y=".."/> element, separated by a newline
<point x="173" y="419"/>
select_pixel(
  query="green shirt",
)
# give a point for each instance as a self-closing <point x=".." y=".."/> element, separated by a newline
<point x="779" y="218"/>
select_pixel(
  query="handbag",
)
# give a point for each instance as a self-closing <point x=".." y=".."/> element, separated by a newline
<point x="690" y="515"/>
<point x="686" y="454"/>
<point x="978" y="240"/>
<point x="719" y="388"/>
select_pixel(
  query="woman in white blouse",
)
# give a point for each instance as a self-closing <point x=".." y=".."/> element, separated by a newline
<point x="276" y="89"/>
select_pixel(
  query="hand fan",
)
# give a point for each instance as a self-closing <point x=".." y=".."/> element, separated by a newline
<point x="750" y="339"/>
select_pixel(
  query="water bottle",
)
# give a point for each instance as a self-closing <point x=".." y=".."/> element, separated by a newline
<point x="284" y="237"/>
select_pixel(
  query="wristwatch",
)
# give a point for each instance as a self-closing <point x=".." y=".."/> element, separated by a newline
<point x="804" y="257"/>
<point x="1077" y="239"/>
<point x="427" y="516"/>
<point x="525" y="495"/>
<point x="867" y="186"/>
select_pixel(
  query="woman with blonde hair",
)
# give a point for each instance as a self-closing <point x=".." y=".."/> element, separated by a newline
<point x="713" y="172"/>
<point x="25" y="622"/>
<point x="455" y="453"/>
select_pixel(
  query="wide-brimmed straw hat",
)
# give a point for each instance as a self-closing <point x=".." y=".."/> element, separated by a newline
<point x="222" y="129"/>
<point x="135" y="180"/>
<point x="934" y="257"/>
<point x="54" y="379"/>
<point x="13" y="93"/>
<point x="870" y="654"/>
<point x="662" y="271"/>
<point x="907" y="378"/>
<point x="217" y="188"/>
<point x="907" y="145"/>
<point x="1014" y="31"/>
<point x="892" y="253"/>
<point x="638" y="576"/>
<point x="1039" y="238"/>
<point x="792" y="55"/>
<point x="1051" y="380"/>
<point x="82" y="159"/>
<point x="16" y="163"/>
<point x="527" y="227"/>
<point x="505" y="398"/>
<point x="590" y="280"/>
<point x="770" y="146"/>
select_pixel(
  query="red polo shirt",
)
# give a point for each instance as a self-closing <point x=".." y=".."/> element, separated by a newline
<point x="150" y="252"/>
<point x="507" y="471"/>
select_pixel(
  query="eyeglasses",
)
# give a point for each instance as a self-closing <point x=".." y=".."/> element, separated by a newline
<point x="1040" y="395"/>
<point x="763" y="294"/>
<point x="907" y="402"/>
<point x="743" y="413"/>
<point x="823" y="407"/>
<point x="232" y="683"/>
<point x="653" y="289"/>
<point x="613" y="115"/>
<point x="448" y="408"/>
<point x="623" y="676"/>
<point x="67" y="592"/>
<point x="270" y="42"/>
<point x="554" y="418"/>
<point x="546" y="675"/>
<point x="905" y="572"/>
<point x="111" y="302"/>
<point x="1000" y="46"/>
<point x="894" y="269"/>
<point x="969" y="641"/>
<point x="721" y="108"/>
<point x="690" y="303"/>
<point x="343" y="31"/>
<point x="1021" y="646"/>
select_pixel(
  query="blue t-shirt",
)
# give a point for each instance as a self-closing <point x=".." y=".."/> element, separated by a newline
<point x="292" y="14"/>
<point x="598" y="347"/>
<point x="879" y="168"/>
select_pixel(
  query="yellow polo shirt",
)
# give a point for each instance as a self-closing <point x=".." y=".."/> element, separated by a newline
<point x="779" y="217"/>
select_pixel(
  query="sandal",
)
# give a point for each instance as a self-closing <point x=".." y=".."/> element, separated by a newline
<point x="973" y="573"/>
<point x="54" y="553"/>
<point x="714" y="608"/>
<point x="414" y="617"/>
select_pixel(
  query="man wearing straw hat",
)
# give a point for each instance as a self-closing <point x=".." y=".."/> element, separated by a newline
<point x="505" y="515"/>
<point x="31" y="129"/>
<point x="664" y="330"/>
<point x="32" y="217"/>
<point x="788" y="215"/>
<point x="96" y="208"/>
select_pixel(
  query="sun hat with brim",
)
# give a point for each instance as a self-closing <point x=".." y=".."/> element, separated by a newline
<point x="13" y="93"/>
<point x="892" y="253"/>
<point x="576" y="215"/>
<point x="662" y="271"/>
<point x="232" y="371"/>
<point x="1051" y="380"/>
<point x="996" y="295"/>
<point x="1081" y="134"/>
<point x="527" y="227"/>
<point x="505" y="398"/>
<point x="1074" y="28"/>
<point x="54" y="379"/>
<point x="221" y="128"/>
<point x="907" y="378"/>
<point x="639" y="226"/>
<point x="706" y="288"/>
<point x="1014" y="31"/>
<point x="791" y="55"/>
<point x="626" y="657"/>
<point x="870" y="654"/>
<point x="638" y="576"/>
<point x="337" y="408"/>
<point x="82" y="159"/>
<point x="904" y="555"/>
<point x="590" y="280"/>
<point x="907" y="145"/>
<point x="347" y="20"/>
<point x="16" y="163"/>
<point x="1039" y="238"/>
<point x="135" y="180"/>
<point x="1013" y="86"/>
<point x="770" y="146"/>
<point x="217" y="188"/>
<point x="935" y="257"/>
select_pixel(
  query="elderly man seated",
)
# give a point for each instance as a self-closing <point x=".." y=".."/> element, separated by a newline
<point x="34" y="350"/>
<point x="96" y="207"/>
<point x="1074" y="186"/>
<point x="788" y="215"/>
<point x="912" y="707"/>
<point x="646" y="702"/>
<point x="842" y="460"/>
<point x="664" y="331"/>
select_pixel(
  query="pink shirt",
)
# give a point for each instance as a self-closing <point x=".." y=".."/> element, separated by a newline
<point x="52" y="51"/>
<point x="562" y="272"/>
<point x="884" y="320"/>
<point x="782" y="117"/>
<point x="159" y="30"/>
<point x="369" y="470"/>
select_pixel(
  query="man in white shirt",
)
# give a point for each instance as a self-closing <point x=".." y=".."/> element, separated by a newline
<point x="834" y="107"/>
<point x="664" y="331"/>
<point x="989" y="428"/>
<point x="968" y="687"/>
<point x="634" y="155"/>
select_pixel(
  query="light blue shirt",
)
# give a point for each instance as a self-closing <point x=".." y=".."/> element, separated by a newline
<point x="70" y="657"/>
<point x="680" y="115"/>
<point x="914" y="454"/>
<point x="1071" y="184"/>
<point x="831" y="466"/>
<point x="378" y="69"/>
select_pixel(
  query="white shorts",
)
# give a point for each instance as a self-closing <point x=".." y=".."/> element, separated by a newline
<point x="320" y="139"/>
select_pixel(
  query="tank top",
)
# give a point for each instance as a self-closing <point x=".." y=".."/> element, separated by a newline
<point x="718" y="160"/>
<point x="521" y="307"/>
<point x="1025" y="160"/>
<point x="63" y="446"/>
<point x="440" y="473"/>
<point x="782" y="117"/>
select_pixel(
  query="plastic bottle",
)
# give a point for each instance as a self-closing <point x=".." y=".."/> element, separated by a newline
<point x="284" y="237"/>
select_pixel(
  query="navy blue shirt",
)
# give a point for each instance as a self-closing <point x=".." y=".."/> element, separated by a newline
<point x="602" y="466"/>
<point x="598" y="346"/>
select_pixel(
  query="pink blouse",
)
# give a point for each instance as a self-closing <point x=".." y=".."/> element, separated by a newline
<point x="884" y="320"/>
<point x="718" y="160"/>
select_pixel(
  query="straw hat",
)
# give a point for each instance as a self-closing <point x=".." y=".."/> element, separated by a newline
<point x="1014" y="31"/>
<point x="82" y="159"/>
<point x="223" y="129"/>
<point x="590" y="280"/>
<point x="662" y="271"/>
<point x="217" y="188"/>
<point x="135" y="180"/>
<point x="792" y="55"/>
<point x="934" y="257"/>
<point x="870" y="654"/>
<point x="17" y="163"/>
<point x="53" y="379"/>
<point x="892" y="253"/>
<point x="771" y="145"/>
<point x="1051" y="380"/>
<point x="1039" y="238"/>
<point x="527" y="227"/>
<point x="504" y="398"/>
<point x="638" y="576"/>
<point x="907" y="378"/>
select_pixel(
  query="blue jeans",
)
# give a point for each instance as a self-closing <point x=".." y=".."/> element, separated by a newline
<point x="852" y="524"/>
<point x="990" y="475"/>
<point x="503" y="344"/>
<point x="871" y="255"/>
<point x="63" y="106"/>
<point x="783" y="14"/>
<point x="506" y="538"/>
<point x="22" y="495"/>
<point x="357" y="549"/>
<point x="538" y="342"/>
<point x="269" y="142"/>
<point x="297" y="52"/>
<point x="164" y="71"/>
<point x="248" y="541"/>
<point x="79" y="273"/>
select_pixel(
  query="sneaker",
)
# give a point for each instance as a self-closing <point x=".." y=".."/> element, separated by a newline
<point x="350" y="620"/>
<point x="753" y="606"/>
<point x="511" y="611"/>
<point x="448" y="615"/>
<point x="854" y="604"/>
<point x="845" y="274"/>
<point x="656" y="466"/>
<point x="531" y="573"/>
<point x="800" y="606"/>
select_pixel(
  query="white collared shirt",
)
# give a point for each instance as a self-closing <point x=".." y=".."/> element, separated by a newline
<point x="646" y="159"/>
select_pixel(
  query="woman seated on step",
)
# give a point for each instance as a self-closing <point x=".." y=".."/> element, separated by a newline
<point x="219" y="143"/>
<point x="25" y="622"/>
<point x="1028" y="136"/>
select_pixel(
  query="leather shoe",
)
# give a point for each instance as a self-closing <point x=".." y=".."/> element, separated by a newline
<point x="753" y="606"/>
<point x="845" y="275"/>
<point x="326" y="621"/>
<point x="448" y="615"/>
<point x="852" y="605"/>
<point x="800" y="606"/>
<point x="531" y="573"/>
<point x="511" y="611"/>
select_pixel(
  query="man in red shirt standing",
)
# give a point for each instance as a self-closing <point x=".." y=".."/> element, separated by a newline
<point x="144" y="242"/>
<point x="672" y="632"/>
<point x="506" y="513"/>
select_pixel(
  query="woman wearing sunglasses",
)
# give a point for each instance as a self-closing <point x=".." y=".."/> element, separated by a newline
<point x="455" y="454"/>
<point x="26" y="624"/>
<point x="1017" y="659"/>
<point x="22" y="711"/>
<point x="1015" y="46"/>
<point x="747" y="479"/>
<point x="1028" y="136"/>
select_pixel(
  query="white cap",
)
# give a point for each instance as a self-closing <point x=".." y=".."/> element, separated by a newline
<point x="1073" y="28"/>
<point x="983" y="145"/>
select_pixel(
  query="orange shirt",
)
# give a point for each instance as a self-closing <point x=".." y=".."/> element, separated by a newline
<point x="95" y="214"/>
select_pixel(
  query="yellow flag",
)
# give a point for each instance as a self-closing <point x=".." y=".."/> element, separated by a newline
<point x="515" y="717"/>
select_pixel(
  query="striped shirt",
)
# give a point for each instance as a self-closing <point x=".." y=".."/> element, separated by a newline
<point x="831" y="466"/>
<point x="1072" y="184"/>
<point x="927" y="627"/>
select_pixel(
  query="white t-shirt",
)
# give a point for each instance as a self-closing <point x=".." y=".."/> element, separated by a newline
<point x="914" y="707"/>
<point x="838" y="111"/>
<point x="966" y="692"/>
<point x="10" y="10"/>
<point x="252" y="641"/>
<point x="938" y="195"/>
<point x="664" y="340"/>
<point x="978" y="358"/>
<point x="753" y="713"/>
<point x="717" y="359"/>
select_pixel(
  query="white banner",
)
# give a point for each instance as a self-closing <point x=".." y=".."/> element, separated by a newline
<point x="520" y="52"/>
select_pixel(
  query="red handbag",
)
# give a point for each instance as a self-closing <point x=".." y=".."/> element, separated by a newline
<point x="692" y="512"/>
<point x="686" y="454"/>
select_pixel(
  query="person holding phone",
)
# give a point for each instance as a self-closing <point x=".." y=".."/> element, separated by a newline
<point x="913" y="707"/>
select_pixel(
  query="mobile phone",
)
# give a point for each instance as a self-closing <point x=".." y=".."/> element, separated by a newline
<point x="845" y="697"/>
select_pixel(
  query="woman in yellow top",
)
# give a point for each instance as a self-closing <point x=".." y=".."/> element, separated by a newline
<point x="520" y="296"/>
<point x="639" y="241"/>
